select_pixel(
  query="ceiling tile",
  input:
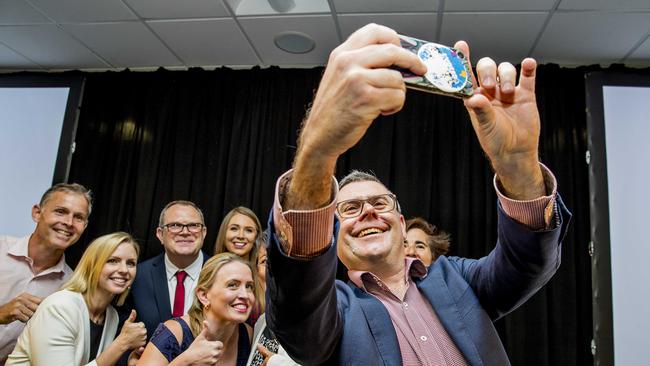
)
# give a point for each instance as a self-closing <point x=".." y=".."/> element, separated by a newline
<point x="262" y="31"/>
<point x="640" y="56"/>
<point x="49" y="46"/>
<point x="601" y="37"/>
<point x="378" y="6"/>
<point x="499" y="5"/>
<point x="501" y="36"/>
<point x="126" y="44"/>
<point x="603" y="4"/>
<point x="174" y="9"/>
<point x="286" y="7"/>
<point x="421" y="25"/>
<point x="77" y="11"/>
<point x="11" y="60"/>
<point x="197" y="43"/>
<point x="19" y="12"/>
<point x="206" y="32"/>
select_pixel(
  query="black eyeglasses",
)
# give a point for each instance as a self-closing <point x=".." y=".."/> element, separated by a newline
<point x="353" y="208"/>
<point x="176" y="227"/>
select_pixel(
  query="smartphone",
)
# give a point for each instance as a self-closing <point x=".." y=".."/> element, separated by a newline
<point x="448" y="69"/>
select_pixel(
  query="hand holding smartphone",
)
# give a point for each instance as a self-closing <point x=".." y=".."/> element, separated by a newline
<point x="448" y="69"/>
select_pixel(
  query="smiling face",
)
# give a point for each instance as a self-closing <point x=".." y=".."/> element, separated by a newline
<point x="231" y="295"/>
<point x="373" y="240"/>
<point x="417" y="246"/>
<point x="183" y="247"/>
<point x="61" y="220"/>
<point x="119" y="270"/>
<point x="240" y="235"/>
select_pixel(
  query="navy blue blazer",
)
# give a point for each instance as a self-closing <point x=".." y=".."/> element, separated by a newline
<point x="149" y="294"/>
<point x="321" y="320"/>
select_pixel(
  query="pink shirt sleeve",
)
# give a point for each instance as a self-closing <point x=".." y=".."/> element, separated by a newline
<point x="303" y="234"/>
<point x="307" y="234"/>
<point x="537" y="214"/>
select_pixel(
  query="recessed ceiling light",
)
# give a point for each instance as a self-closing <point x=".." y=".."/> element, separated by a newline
<point x="294" y="42"/>
<point x="277" y="7"/>
<point x="282" y="6"/>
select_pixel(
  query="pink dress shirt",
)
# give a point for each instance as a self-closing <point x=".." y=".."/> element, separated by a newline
<point x="422" y="338"/>
<point x="16" y="277"/>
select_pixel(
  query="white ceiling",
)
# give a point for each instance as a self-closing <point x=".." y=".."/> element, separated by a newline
<point x="114" y="34"/>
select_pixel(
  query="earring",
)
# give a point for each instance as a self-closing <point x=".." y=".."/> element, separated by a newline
<point x="206" y="306"/>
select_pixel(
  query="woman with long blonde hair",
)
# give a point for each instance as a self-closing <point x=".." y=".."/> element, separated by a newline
<point x="238" y="233"/>
<point x="77" y="325"/>
<point x="266" y="348"/>
<point x="213" y="330"/>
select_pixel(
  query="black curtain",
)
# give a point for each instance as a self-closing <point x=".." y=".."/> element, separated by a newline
<point x="221" y="138"/>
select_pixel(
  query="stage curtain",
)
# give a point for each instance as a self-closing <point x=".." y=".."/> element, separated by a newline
<point x="221" y="138"/>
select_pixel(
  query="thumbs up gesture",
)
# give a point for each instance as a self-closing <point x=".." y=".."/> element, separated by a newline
<point x="206" y="350"/>
<point x="133" y="335"/>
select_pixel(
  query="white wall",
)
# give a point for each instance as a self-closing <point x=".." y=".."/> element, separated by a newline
<point x="627" y="136"/>
<point x="31" y="120"/>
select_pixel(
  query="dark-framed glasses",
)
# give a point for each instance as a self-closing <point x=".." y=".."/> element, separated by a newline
<point x="177" y="227"/>
<point x="354" y="207"/>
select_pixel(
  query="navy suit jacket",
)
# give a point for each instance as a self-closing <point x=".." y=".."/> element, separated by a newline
<point x="320" y="320"/>
<point x="149" y="294"/>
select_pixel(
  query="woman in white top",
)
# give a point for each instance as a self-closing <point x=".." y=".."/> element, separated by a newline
<point x="266" y="350"/>
<point x="77" y="325"/>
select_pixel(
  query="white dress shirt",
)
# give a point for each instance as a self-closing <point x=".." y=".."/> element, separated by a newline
<point x="193" y="271"/>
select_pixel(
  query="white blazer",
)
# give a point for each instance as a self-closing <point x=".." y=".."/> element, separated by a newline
<point x="59" y="333"/>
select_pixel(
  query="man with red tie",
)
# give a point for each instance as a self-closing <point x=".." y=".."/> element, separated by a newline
<point x="164" y="285"/>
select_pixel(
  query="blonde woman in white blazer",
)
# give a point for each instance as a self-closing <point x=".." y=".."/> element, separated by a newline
<point x="60" y="332"/>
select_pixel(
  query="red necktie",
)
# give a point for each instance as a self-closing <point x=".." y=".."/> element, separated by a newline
<point x="179" y="296"/>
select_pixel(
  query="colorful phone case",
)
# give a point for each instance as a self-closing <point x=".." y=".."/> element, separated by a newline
<point x="448" y="69"/>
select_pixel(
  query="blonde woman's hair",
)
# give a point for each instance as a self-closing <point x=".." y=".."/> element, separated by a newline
<point x="85" y="278"/>
<point x="260" y="288"/>
<point x="220" y="243"/>
<point x="206" y="280"/>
